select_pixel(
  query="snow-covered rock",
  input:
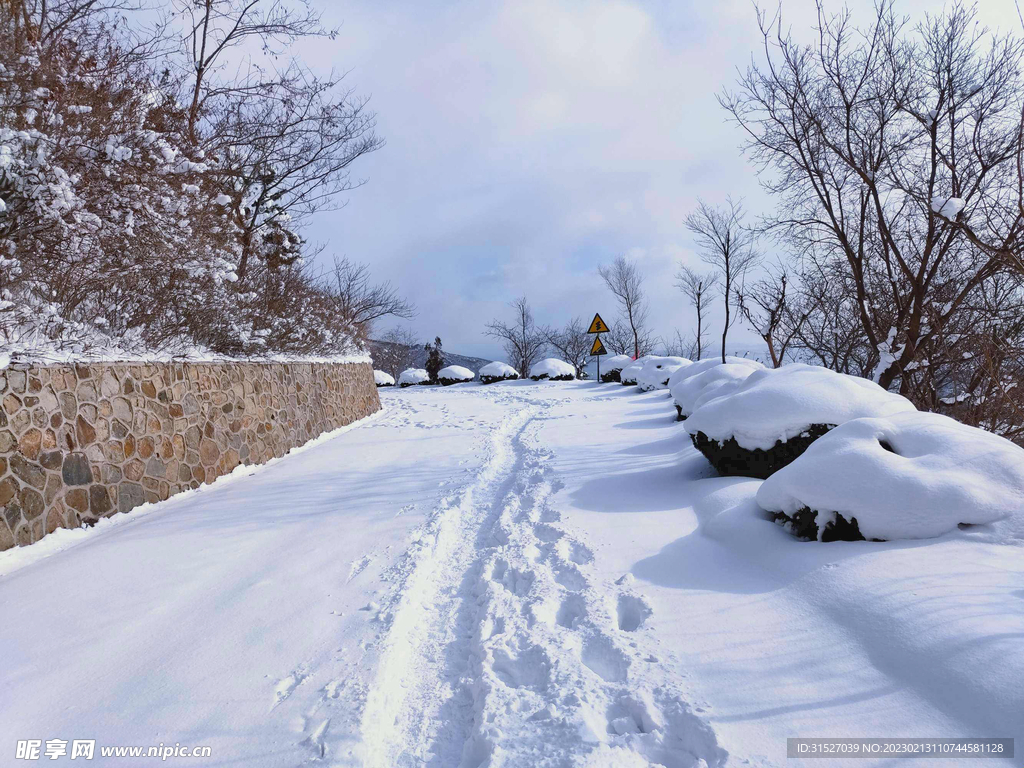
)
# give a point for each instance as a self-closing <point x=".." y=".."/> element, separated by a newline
<point x="552" y="368"/>
<point x="382" y="379"/>
<point x="657" y="370"/>
<point x="704" y="380"/>
<point x="411" y="376"/>
<point x="496" y="371"/>
<point x="454" y="374"/>
<point x="772" y="416"/>
<point x="611" y="367"/>
<point x="910" y="475"/>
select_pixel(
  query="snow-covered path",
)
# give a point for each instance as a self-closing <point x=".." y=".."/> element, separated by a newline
<point x="518" y="575"/>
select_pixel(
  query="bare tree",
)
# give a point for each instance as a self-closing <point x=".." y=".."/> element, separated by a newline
<point x="767" y="305"/>
<point x="895" y="154"/>
<point x="725" y="244"/>
<point x="521" y="339"/>
<point x="626" y="283"/>
<point x="571" y="342"/>
<point x="361" y="301"/>
<point x="697" y="287"/>
<point x="393" y="350"/>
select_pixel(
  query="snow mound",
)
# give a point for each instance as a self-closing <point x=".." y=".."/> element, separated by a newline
<point x="774" y="405"/>
<point x="411" y="376"/>
<point x="629" y="374"/>
<point x="454" y="374"/>
<point x="496" y="371"/>
<point x="656" y="372"/>
<point x="382" y="379"/>
<point x="691" y="392"/>
<point x="552" y="368"/>
<point x="909" y="475"/>
<point x="612" y="367"/>
<point x="616" y="363"/>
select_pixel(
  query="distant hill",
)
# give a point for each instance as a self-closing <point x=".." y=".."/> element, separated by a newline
<point x="416" y="356"/>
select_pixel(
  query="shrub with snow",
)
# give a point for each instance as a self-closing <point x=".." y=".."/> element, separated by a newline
<point x="496" y="371"/>
<point x="629" y="374"/>
<point x="552" y="368"/>
<point x="411" y="376"/>
<point x="910" y="475"/>
<point x="704" y="380"/>
<point x="772" y="416"/>
<point x="612" y="367"/>
<point x="382" y="379"/>
<point x="454" y="374"/>
<point x="657" y="370"/>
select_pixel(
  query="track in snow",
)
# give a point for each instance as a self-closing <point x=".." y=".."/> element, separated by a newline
<point x="499" y="648"/>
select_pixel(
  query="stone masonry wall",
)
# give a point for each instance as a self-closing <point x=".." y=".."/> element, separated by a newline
<point x="78" y="443"/>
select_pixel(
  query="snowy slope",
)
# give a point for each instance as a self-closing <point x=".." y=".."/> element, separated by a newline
<point x="517" y="575"/>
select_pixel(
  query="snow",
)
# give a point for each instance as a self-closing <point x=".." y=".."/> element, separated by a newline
<point x="455" y="373"/>
<point x="776" y="404"/>
<point x="714" y="380"/>
<point x="656" y="371"/>
<point x="498" y="370"/>
<point x="551" y="367"/>
<point x="629" y="374"/>
<point x="948" y="208"/>
<point x="507" y="575"/>
<point x="615" y="363"/>
<point x="413" y="376"/>
<point x="909" y="476"/>
<point x="383" y="379"/>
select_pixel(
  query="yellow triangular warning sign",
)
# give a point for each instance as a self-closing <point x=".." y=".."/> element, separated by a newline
<point x="597" y="325"/>
<point x="598" y="347"/>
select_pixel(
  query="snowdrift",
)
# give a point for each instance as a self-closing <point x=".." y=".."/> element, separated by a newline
<point x="772" y="416"/>
<point x="695" y="384"/>
<point x="496" y="371"/>
<point x="454" y="374"/>
<point x="382" y="379"/>
<point x="411" y="376"/>
<point x="656" y="372"/>
<point x="612" y="367"/>
<point x="552" y="368"/>
<point x="910" y="475"/>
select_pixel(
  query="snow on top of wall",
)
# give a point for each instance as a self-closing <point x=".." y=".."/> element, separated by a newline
<point x="911" y="475"/>
<point x="498" y="369"/>
<point x="413" y="376"/>
<point x="42" y="357"/>
<point x="780" y="403"/>
<point x="456" y="373"/>
<point x="553" y="367"/>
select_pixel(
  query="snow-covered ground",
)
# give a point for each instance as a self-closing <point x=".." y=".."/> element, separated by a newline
<point x="516" y="574"/>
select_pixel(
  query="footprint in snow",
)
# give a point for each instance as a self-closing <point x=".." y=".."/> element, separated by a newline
<point x="285" y="687"/>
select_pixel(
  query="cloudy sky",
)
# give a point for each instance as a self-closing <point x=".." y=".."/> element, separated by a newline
<point x="530" y="141"/>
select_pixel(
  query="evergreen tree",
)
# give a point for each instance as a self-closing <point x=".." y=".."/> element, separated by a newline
<point x="435" y="359"/>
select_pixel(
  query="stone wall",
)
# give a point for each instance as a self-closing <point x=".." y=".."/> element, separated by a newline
<point x="78" y="443"/>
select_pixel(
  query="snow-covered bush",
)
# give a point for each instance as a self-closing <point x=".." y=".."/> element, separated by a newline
<point x="910" y="475"/>
<point x="382" y="379"/>
<point x="612" y="367"/>
<point x="454" y="374"/>
<point x="552" y="368"/>
<point x="703" y="380"/>
<point x="628" y="375"/>
<point x="497" y="371"/>
<point x="657" y="370"/>
<point x="772" y="416"/>
<point x="412" y="376"/>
